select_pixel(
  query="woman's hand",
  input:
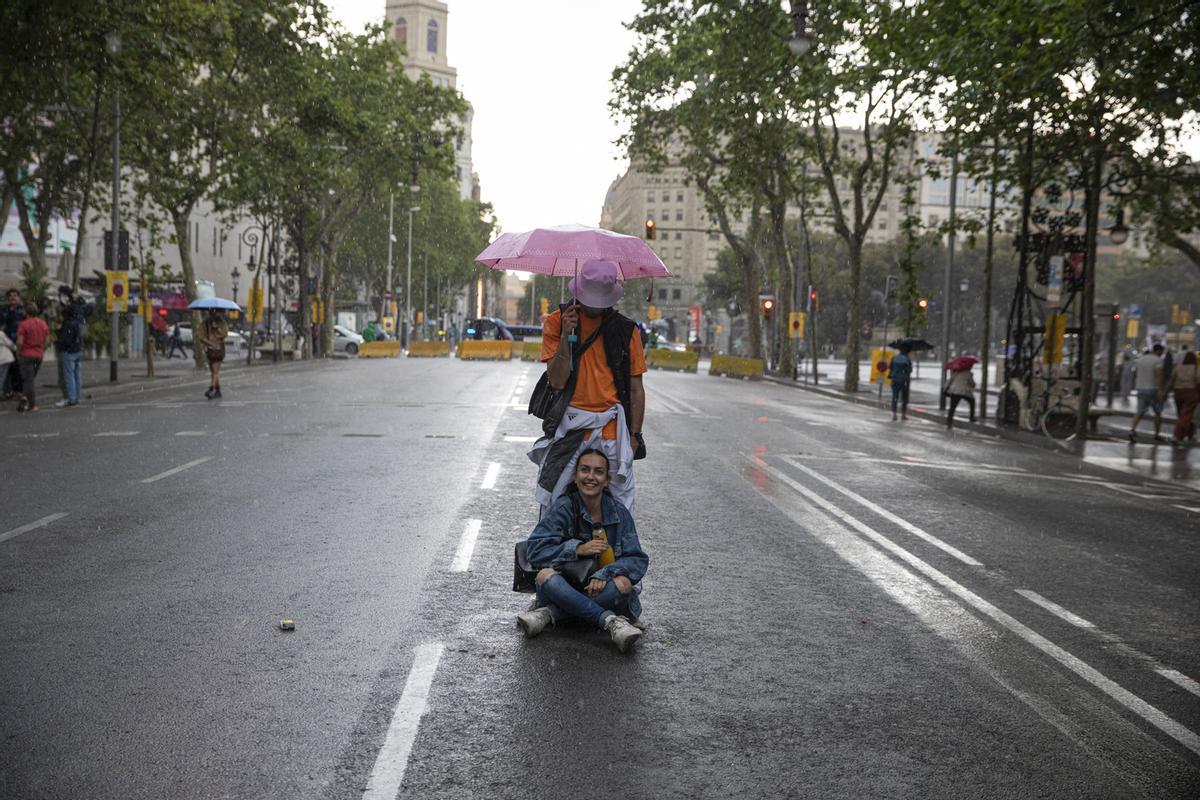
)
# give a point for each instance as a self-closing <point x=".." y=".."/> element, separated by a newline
<point x="594" y="587"/>
<point x="592" y="547"/>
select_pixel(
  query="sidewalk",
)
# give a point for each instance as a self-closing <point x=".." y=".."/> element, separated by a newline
<point x="1157" y="461"/>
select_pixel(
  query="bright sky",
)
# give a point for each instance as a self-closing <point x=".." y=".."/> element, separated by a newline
<point x="537" y="73"/>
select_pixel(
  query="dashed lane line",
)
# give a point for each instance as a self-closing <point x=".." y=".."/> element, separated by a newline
<point x="466" y="546"/>
<point x="1055" y="609"/>
<point x="489" y="478"/>
<point x="175" y="470"/>
<point x="388" y="772"/>
<point x="888" y="515"/>
<point x="103" y="434"/>
<point x="521" y="439"/>
<point x="1120" y="694"/>
<point x="192" y="433"/>
<point x="1179" y="679"/>
<point x="32" y="526"/>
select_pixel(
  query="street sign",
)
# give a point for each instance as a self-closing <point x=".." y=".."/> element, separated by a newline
<point x="796" y="321"/>
<point x="1131" y="329"/>
<point x="122" y="255"/>
<point x="881" y="359"/>
<point x="389" y="324"/>
<point x="1056" y="334"/>
<point x="117" y="290"/>
<point x="1135" y="310"/>
<point x="1054" y="283"/>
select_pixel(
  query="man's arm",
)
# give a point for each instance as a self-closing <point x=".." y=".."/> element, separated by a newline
<point x="637" y="402"/>
<point x="559" y="365"/>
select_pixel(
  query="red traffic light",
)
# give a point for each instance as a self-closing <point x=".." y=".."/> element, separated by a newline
<point x="1116" y="315"/>
<point x="767" y="304"/>
<point x="651" y="229"/>
<point x="922" y="303"/>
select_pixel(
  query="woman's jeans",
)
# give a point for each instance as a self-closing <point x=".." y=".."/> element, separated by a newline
<point x="29" y="371"/>
<point x="72" y="375"/>
<point x="565" y="599"/>
<point x="900" y="396"/>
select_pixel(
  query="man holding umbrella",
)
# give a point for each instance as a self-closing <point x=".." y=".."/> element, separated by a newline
<point x="603" y="371"/>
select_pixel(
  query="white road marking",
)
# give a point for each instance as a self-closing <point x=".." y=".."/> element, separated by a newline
<point x="683" y="405"/>
<point x="50" y="435"/>
<point x="115" y="433"/>
<point x="32" y="526"/>
<point x="192" y="433"/>
<point x="523" y="439"/>
<point x="388" y="772"/>
<point x="1179" y="678"/>
<point x="883" y="512"/>
<point x="174" y="470"/>
<point x="1152" y="715"/>
<point x="1055" y="609"/>
<point x="466" y="546"/>
<point x="489" y="478"/>
<point x="1193" y="509"/>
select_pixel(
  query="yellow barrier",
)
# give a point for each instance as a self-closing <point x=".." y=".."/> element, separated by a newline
<point x="686" y="361"/>
<point x="735" y="367"/>
<point x="530" y="351"/>
<point x="379" y="350"/>
<point x="428" y="349"/>
<point x="518" y="349"/>
<point x="471" y="350"/>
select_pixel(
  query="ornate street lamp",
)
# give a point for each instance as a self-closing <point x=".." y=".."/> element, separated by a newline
<point x="235" y="274"/>
<point x="1119" y="233"/>
<point x="799" y="42"/>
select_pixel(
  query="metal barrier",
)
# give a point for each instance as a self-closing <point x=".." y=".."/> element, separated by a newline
<point x="428" y="349"/>
<point x="472" y="350"/>
<point x="686" y="361"/>
<point x="734" y="367"/>
<point x="379" y="350"/>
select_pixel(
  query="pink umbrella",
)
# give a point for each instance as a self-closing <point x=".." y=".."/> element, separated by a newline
<point x="961" y="362"/>
<point x="562" y="249"/>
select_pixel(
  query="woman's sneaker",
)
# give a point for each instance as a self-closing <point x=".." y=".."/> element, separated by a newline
<point x="623" y="633"/>
<point x="534" y="622"/>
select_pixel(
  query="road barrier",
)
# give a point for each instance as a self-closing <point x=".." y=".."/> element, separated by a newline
<point x="472" y="350"/>
<point x="734" y="367"/>
<point x="517" y="349"/>
<point x="686" y="361"/>
<point x="379" y="349"/>
<point x="531" y="351"/>
<point x="428" y="349"/>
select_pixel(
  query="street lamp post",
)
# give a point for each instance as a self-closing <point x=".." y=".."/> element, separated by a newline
<point x="235" y="274"/>
<point x="112" y="43"/>
<point x="387" y="287"/>
<point x="404" y="334"/>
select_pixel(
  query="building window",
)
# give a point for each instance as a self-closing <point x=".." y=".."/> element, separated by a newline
<point x="712" y="237"/>
<point x="676" y="294"/>
<point x="679" y="197"/>
<point x="662" y="294"/>
<point x="401" y="32"/>
<point x="678" y="235"/>
<point x="679" y="215"/>
<point x="650" y="197"/>
<point x="214" y="240"/>
<point x="431" y="36"/>
<point x="679" y="252"/>
<point x="196" y="239"/>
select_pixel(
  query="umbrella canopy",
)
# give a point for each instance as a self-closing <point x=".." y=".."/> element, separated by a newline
<point x="214" y="302"/>
<point x="961" y="362"/>
<point x="911" y="345"/>
<point x="561" y="250"/>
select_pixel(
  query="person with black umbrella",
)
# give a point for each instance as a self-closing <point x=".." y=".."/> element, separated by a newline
<point x="899" y="373"/>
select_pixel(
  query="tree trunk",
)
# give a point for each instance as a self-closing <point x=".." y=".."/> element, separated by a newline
<point x="304" y="328"/>
<point x="787" y="291"/>
<point x="183" y="238"/>
<point x="329" y="286"/>
<point x="852" y="338"/>
<point x="1087" y="311"/>
<point x="985" y="347"/>
<point x="86" y="205"/>
<point x="34" y="243"/>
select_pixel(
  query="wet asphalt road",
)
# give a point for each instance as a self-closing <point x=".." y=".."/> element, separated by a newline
<point x="839" y="606"/>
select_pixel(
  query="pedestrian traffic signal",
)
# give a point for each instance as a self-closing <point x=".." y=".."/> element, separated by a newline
<point x="767" y="304"/>
<point x="651" y="229"/>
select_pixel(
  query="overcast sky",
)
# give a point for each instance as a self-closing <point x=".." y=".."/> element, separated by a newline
<point x="537" y="73"/>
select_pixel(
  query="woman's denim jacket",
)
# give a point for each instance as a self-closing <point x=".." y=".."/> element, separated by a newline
<point x="552" y="542"/>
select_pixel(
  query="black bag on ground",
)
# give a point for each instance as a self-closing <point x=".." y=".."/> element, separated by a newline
<point x="576" y="572"/>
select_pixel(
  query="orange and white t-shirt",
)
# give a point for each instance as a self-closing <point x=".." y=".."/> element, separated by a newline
<point x="595" y="389"/>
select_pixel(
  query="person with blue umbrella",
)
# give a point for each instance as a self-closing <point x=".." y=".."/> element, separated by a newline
<point x="213" y="331"/>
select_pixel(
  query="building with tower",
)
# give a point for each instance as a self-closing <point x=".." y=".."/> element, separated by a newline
<point x="421" y="27"/>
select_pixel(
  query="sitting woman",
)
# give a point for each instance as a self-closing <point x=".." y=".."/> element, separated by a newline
<point x="585" y="522"/>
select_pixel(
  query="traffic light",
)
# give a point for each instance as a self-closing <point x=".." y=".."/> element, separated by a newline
<point x="922" y="303"/>
<point x="812" y="299"/>
<point x="767" y="304"/>
<point x="651" y="229"/>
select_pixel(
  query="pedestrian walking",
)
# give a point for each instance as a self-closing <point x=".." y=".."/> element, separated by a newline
<point x="1127" y="360"/>
<point x="177" y="343"/>
<point x="1148" y="383"/>
<point x="1186" y="383"/>
<point x="213" y="331"/>
<point x="899" y="373"/>
<point x="14" y="313"/>
<point x="586" y="523"/>
<point x="603" y="401"/>
<point x="8" y="352"/>
<point x="961" y="386"/>
<point x="160" y="331"/>
<point x="70" y="349"/>
<point x="32" y="336"/>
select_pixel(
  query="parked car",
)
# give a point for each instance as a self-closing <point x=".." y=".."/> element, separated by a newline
<point x="488" y="328"/>
<point x="346" y="341"/>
